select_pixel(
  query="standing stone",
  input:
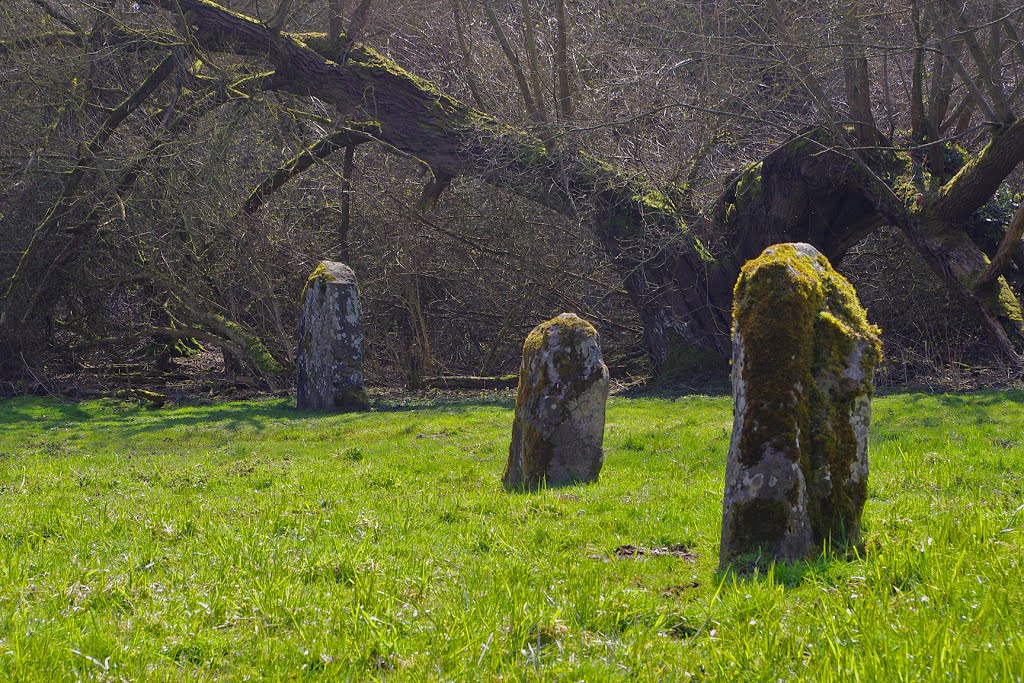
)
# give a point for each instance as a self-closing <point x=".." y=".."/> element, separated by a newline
<point x="558" y="430"/>
<point x="330" y="359"/>
<point x="804" y="357"/>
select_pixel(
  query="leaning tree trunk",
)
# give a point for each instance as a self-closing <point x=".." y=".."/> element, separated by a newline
<point x="814" y="188"/>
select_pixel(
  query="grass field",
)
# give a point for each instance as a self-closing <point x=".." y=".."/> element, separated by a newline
<point x="249" y="541"/>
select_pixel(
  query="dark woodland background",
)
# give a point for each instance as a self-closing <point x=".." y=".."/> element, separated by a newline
<point x="162" y="199"/>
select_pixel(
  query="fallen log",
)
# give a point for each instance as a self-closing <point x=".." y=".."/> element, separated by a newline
<point x="471" y="382"/>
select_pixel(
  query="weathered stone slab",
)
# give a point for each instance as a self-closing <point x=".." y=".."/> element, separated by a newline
<point x="804" y="357"/>
<point x="558" y="432"/>
<point x="330" y="358"/>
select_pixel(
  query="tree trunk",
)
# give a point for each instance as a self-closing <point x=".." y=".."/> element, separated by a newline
<point x="961" y="266"/>
<point x="811" y="189"/>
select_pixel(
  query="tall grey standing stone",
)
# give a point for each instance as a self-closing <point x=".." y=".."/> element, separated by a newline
<point x="330" y="358"/>
<point x="804" y="357"/>
<point x="558" y="432"/>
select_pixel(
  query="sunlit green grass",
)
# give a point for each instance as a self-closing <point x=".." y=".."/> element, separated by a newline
<point x="252" y="540"/>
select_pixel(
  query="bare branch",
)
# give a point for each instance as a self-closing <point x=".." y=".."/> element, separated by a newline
<point x="800" y="68"/>
<point x="336" y="18"/>
<point x="857" y="79"/>
<point x="59" y="16"/>
<point x="347" y="169"/>
<point x="467" y="60"/>
<point x="513" y="61"/>
<point x="987" y="69"/>
<point x="562" y="62"/>
<point x="280" y="17"/>
<point x="323" y="148"/>
<point x="993" y="113"/>
<point x="89" y="151"/>
<point x="355" y="27"/>
<point x="48" y="39"/>
<point x="918" y="120"/>
<point x="533" y="60"/>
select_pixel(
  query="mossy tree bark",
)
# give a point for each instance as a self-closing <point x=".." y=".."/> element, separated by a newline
<point x="815" y="188"/>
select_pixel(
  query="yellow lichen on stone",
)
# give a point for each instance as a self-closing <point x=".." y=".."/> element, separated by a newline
<point x="321" y="272"/>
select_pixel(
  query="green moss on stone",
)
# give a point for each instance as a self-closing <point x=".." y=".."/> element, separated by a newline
<point x="352" y="399"/>
<point x="759" y="523"/>
<point x="570" y="366"/>
<point x="778" y="353"/>
<point x="321" y="272"/>
<point x="573" y="332"/>
<point x="800" y="321"/>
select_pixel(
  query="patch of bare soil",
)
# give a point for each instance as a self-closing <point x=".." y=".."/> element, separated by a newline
<point x="680" y="589"/>
<point x="639" y="552"/>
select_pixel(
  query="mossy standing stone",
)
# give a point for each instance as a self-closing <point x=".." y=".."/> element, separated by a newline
<point x="804" y="357"/>
<point x="330" y="358"/>
<point x="558" y="432"/>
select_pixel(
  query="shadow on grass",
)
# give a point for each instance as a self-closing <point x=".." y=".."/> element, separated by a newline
<point x="23" y="410"/>
<point x="985" y="399"/>
<point x="131" y="418"/>
<point x="671" y="393"/>
<point x="962" y="400"/>
<point x="232" y="417"/>
<point x="830" y="567"/>
<point x="981" y="407"/>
